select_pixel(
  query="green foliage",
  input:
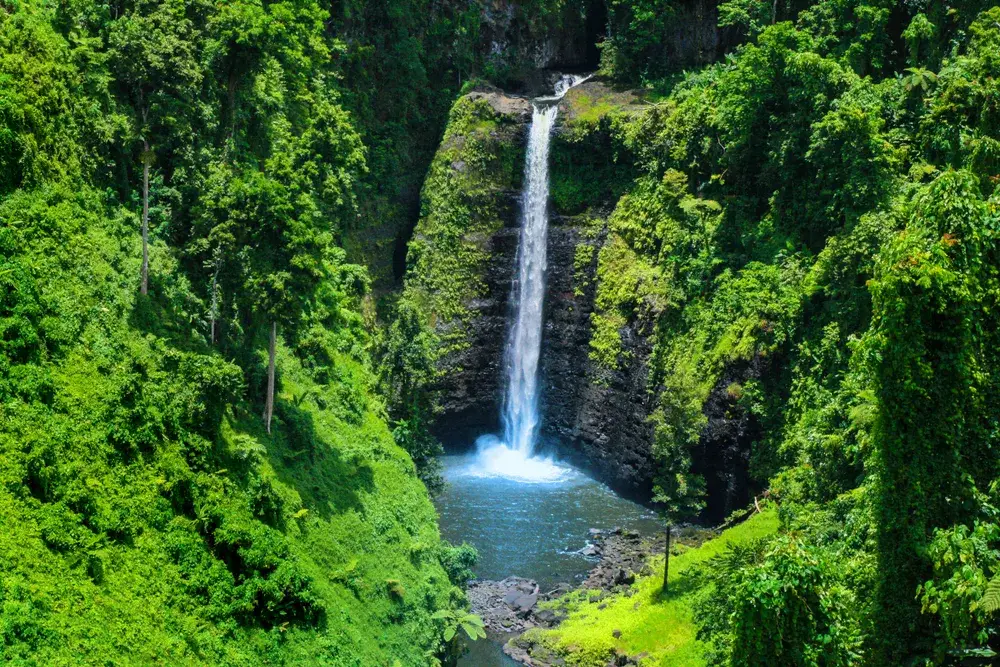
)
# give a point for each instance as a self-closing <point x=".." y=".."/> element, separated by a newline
<point x="924" y="349"/>
<point x="961" y="592"/>
<point x="148" y="518"/>
<point x="478" y="165"/>
<point x="779" y="603"/>
<point x="665" y="627"/>
<point x="750" y="16"/>
<point x="635" y="44"/>
<point x="471" y="624"/>
<point x="810" y="248"/>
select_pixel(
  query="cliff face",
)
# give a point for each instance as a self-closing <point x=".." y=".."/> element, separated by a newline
<point x="462" y="261"/>
<point x="695" y="37"/>
<point x="522" y="42"/>
<point x="461" y="258"/>
<point x="596" y="419"/>
<point x="471" y="389"/>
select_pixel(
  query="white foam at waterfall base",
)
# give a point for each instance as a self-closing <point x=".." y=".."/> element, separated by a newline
<point x="494" y="459"/>
<point x="515" y="458"/>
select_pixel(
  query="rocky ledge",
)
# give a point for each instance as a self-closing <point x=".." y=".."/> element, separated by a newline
<point x="513" y="605"/>
<point x="510" y="606"/>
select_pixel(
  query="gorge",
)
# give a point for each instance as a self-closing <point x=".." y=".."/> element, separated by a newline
<point x="527" y="514"/>
<point x="342" y="332"/>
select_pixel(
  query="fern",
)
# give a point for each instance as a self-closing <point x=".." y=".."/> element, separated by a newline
<point x="990" y="602"/>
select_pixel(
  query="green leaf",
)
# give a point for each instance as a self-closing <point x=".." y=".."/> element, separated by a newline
<point x="473" y="631"/>
<point x="990" y="602"/>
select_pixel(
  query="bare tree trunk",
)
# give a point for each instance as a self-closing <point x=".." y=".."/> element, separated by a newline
<point x="215" y="293"/>
<point x="774" y="12"/>
<point x="666" y="561"/>
<point x="269" y="405"/>
<point x="144" y="287"/>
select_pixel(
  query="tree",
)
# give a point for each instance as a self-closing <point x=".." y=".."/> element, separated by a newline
<point x="152" y="56"/>
<point x="679" y="495"/>
<point x="925" y="352"/>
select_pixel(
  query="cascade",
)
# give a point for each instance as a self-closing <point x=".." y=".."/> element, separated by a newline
<point x="514" y="456"/>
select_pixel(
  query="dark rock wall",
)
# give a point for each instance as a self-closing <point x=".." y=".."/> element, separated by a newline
<point x="511" y="39"/>
<point x="597" y="420"/>
<point x="695" y="37"/>
<point x="473" y="384"/>
<point x="723" y="453"/>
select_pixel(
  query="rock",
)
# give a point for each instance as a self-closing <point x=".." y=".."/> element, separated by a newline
<point x="603" y="605"/>
<point x="590" y="550"/>
<point x="624" y="577"/>
<point x="558" y="591"/>
<point x="595" y="532"/>
<point x="616" y="633"/>
<point x="505" y="606"/>
<point x="545" y="616"/>
<point x="525" y="603"/>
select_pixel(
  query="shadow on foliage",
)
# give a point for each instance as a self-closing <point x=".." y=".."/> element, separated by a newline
<point x="678" y="588"/>
<point x="328" y="482"/>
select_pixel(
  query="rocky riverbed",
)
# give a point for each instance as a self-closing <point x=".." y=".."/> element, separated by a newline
<point x="513" y="605"/>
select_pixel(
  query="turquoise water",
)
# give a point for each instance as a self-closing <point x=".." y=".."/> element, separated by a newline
<point x="528" y="529"/>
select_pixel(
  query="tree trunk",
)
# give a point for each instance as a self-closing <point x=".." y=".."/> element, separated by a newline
<point x="666" y="562"/>
<point x="774" y="12"/>
<point x="144" y="287"/>
<point x="269" y="404"/>
<point x="215" y="294"/>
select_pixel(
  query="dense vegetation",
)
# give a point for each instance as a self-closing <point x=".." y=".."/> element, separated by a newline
<point x="214" y="450"/>
<point x="814" y="231"/>
<point x="150" y="514"/>
<point x="808" y="229"/>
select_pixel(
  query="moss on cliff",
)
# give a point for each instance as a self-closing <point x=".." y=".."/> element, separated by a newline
<point x="469" y="190"/>
<point x="590" y="163"/>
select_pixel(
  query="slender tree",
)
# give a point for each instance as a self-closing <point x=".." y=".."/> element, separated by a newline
<point x="679" y="495"/>
<point x="152" y="55"/>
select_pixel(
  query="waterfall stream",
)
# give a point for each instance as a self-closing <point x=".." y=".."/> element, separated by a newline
<point x="514" y="456"/>
<point x="526" y="513"/>
<point x="520" y="411"/>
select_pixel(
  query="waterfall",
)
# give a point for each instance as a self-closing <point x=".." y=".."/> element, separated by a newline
<point x="520" y="411"/>
<point x="514" y="457"/>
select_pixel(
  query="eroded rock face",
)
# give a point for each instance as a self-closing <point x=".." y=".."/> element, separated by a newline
<point x="473" y="383"/>
<point x="598" y="418"/>
<point x="564" y="40"/>
<point x="594" y="416"/>
<point x="694" y="37"/>
<point x="472" y="210"/>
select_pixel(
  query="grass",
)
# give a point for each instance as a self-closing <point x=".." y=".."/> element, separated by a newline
<point x="662" y="627"/>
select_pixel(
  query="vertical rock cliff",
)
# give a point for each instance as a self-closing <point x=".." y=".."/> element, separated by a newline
<point x="461" y="258"/>
<point x="596" y="411"/>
